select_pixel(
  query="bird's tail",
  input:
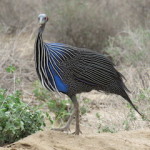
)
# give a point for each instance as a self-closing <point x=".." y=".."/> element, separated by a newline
<point x="123" y="91"/>
<point x="120" y="88"/>
<point x="126" y="97"/>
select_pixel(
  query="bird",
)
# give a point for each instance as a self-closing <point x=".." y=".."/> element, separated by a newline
<point x="70" y="70"/>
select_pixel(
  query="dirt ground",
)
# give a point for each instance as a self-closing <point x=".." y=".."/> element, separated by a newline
<point x="52" y="140"/>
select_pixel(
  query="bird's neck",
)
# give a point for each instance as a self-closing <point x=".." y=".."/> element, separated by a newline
<point x="40" y="32"/>
<point x="39" y="39"/>
<point x="41" y="28"/>
<point x="38" y="47"/>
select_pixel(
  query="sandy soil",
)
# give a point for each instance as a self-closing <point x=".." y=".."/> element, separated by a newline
<point x="52" y="140"/>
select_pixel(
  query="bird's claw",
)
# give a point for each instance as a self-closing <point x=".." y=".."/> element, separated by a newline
<point x="77" y="132"/>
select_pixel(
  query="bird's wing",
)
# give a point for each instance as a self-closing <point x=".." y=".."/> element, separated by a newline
<point x="95" y="69"/>
<point x="89" y="67"/>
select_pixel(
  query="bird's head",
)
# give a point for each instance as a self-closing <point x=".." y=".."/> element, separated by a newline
<point x="42" y="19"/>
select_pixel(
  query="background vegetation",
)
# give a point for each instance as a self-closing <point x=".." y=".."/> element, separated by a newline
<point x="118" y="29"/>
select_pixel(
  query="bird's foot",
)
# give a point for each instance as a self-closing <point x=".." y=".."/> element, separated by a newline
<point x="66" y="129"/>
<point x="77" y="132"/>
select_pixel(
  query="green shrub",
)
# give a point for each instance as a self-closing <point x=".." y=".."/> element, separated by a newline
<point x="17" y="119"/>
<point x="60" y="108"/>
<point x="41" y="93"/>
<point x="10" y="69"/>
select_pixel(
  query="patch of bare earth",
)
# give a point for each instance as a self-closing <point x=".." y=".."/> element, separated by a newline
<point x="50" y="140"/>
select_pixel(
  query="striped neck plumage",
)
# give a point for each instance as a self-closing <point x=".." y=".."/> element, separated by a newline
<point x="39" y="35"/>
<point x="38" y="47"/>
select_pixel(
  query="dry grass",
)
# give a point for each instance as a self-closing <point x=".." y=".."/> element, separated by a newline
<point x="16" y="51"/>
<point x="130" y="47"/>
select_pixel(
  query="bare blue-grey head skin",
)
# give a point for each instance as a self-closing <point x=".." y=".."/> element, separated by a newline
<point x="42" y="19"/>
<point x="71" y="70"/>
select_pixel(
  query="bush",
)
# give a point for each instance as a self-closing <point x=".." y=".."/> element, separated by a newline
<point x="17" y="119"/>
<point x="130" y="47"/>
<point x="41" y="93"/>
<point x="60" y="108"/>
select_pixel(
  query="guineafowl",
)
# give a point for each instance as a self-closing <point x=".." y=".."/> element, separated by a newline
<point x="71" y="70"/>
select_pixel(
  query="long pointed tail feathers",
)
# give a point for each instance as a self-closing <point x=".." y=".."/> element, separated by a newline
<point x="123" y="91"/>
<point x="125" y="96"/>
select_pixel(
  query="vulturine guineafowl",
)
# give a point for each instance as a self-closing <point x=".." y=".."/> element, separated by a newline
<point x="70" y="70"/>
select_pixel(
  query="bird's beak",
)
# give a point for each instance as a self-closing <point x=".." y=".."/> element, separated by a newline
<point x="41" y="22"/>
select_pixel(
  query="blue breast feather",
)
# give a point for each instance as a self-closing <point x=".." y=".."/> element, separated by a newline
<point x="55" y="52"/>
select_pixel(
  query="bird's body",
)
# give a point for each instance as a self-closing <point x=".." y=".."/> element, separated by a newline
<point x="70" y="70"/>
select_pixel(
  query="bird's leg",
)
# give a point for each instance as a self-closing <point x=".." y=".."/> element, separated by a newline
<point x="67" y="126"/>
<point x="76" y="107"/>
<point x="76" y="113"/>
